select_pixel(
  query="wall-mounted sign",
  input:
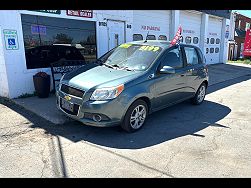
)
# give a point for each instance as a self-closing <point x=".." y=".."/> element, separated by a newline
<point x="80" y="13"/>
<point x="49" y="11"/>
<point x="38" y="29"/>
<point x="11" y="40"/>
<point x="152" y="28"/>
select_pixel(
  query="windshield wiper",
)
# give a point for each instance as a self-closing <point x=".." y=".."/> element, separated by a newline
<point x="110" y="66"/>
<point x="126" y="68"/>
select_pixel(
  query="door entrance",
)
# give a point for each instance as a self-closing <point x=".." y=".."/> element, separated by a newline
<point x="116" y="33"/>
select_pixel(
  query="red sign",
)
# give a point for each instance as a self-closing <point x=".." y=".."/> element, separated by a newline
<point x="80" y="13"/>
<point x="177" y="36"/>
<point x="247" y="44"/>
<point x="152" y="28"/>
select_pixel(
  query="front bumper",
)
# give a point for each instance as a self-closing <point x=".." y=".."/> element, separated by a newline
<point x="113" y="109"/>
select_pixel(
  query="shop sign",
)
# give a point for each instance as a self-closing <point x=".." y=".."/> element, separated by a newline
<point x="49" y="11"/>
<point x="152" y="28"/>
<point x="38" y="29"/>
<point x="80" y="13"/>
<point x="11" y="41"/>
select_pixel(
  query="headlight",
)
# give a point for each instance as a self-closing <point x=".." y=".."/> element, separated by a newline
<point x="107" y="93"/>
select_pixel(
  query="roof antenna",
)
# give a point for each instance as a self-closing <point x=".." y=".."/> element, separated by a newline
<point x="146" y="37"/>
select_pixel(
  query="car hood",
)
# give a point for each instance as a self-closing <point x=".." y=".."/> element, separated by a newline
<point x="90" y="76"/>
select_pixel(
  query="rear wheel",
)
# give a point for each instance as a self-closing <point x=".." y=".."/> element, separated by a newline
<point x="200" y="94"/>
<point x="135" y="116"/>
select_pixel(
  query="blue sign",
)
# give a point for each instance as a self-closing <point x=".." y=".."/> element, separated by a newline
<point x="38" y="29"/>
<point x="11" y="42"/>
<point x="11" y="39"/>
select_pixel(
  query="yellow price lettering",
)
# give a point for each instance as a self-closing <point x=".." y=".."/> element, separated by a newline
<point x="156" y="49"/>
<point x="125" y="45"/>
<point x="150" y="48"/>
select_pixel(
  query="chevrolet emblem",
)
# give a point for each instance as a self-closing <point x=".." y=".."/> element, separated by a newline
<point x="67" y="97"/>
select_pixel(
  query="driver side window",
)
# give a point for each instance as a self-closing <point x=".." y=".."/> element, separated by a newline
<point x="172" y="59"/>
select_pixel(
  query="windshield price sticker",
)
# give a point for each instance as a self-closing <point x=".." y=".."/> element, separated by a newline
<point x="149" y="48"/>
<point x="125" y="45"/>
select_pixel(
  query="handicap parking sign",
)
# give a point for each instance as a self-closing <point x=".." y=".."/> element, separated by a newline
<point x="11" y="40"/>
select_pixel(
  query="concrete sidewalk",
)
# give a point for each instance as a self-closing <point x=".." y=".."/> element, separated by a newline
<point x="46" y="108"/>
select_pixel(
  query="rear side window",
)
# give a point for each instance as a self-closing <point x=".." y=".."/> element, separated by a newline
<point x="137" y="37"/>
<point x="191" y="55"/>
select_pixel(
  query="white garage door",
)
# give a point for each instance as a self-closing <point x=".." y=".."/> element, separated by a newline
<point x="213" y="50"/>
<point x="157" y="22"/>
<point x="191" y="27"/>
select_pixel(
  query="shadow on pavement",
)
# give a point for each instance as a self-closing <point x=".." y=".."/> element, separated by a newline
<point x="171" y="123"/>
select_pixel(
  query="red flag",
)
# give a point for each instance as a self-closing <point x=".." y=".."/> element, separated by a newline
<point x="177" y="36"/>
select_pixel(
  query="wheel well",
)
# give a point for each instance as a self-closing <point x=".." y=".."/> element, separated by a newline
<point x="147" y="100"/>
<point x="206" y="82"/>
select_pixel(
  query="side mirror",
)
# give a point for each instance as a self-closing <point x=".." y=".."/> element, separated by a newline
<point x="167" y="70"/>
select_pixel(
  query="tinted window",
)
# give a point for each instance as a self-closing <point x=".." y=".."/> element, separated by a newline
<point x="217" y="41"/>
<point x="212" y="41"/>
<point x="211" y="50"/>
<point x="137" y="37"/>
<point x="188" y="40"/>
<point x="162" y="37"/>
<point x="172" y="59"/>
<point x="45" y="32"/>
<point x="217" y="50"/>
<point x="151" y="37"/>
<point x="191" y="55"/>
<point x="195" y="40"/>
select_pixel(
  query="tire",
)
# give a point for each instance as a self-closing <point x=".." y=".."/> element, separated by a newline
<point x="199" y="96"/>
<point x="131" y="126"/>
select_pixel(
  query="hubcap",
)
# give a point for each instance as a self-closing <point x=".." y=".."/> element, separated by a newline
<point x="138" y="116"/>
<point x="201" y="94"/>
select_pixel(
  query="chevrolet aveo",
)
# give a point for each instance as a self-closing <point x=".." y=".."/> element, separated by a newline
<point x="131" y="81"/>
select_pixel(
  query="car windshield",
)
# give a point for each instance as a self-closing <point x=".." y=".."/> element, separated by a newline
<point x="133" y="56"/>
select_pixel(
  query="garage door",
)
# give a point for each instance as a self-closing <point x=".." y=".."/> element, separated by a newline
<point x="156" y="22"/>
<point x="213" y="40"/>
<point x="191" y="26"/>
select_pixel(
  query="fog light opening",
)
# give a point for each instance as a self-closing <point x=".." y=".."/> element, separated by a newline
<point x="96" y="118"/>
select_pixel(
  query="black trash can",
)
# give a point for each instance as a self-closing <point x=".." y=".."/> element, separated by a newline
<point x="42" y="83"/>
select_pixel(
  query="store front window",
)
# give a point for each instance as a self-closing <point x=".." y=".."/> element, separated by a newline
<point x="48" y="39"/>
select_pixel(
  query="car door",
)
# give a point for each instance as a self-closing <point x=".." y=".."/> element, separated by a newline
<point x="194" y="69"/>
<point x="170" y="88"/>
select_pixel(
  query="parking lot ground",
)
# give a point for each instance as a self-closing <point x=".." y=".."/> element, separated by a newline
<point x="209" y="140"/>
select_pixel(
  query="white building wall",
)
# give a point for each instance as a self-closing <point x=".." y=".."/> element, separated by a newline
<point x="102" y="32"/>
<point x="4" y="90"/>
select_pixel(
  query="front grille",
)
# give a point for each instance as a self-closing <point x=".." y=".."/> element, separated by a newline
<point x="75" y="109"/>
<point x="72" y="91"/>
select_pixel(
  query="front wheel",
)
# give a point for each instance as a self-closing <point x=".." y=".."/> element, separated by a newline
<point x="200" y="95"/>
<point x="135" y="116"/>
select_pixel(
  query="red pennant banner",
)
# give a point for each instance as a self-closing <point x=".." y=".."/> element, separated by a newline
<point x="177" y="36"/>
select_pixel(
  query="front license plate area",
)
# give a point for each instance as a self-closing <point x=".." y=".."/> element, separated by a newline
<point x="67" y="105"/>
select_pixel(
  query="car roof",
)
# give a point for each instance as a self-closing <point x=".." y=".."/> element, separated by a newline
<point x="160" y="43"/>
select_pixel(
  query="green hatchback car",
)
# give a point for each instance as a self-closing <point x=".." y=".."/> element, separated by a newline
<point x="130" y="82"/>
